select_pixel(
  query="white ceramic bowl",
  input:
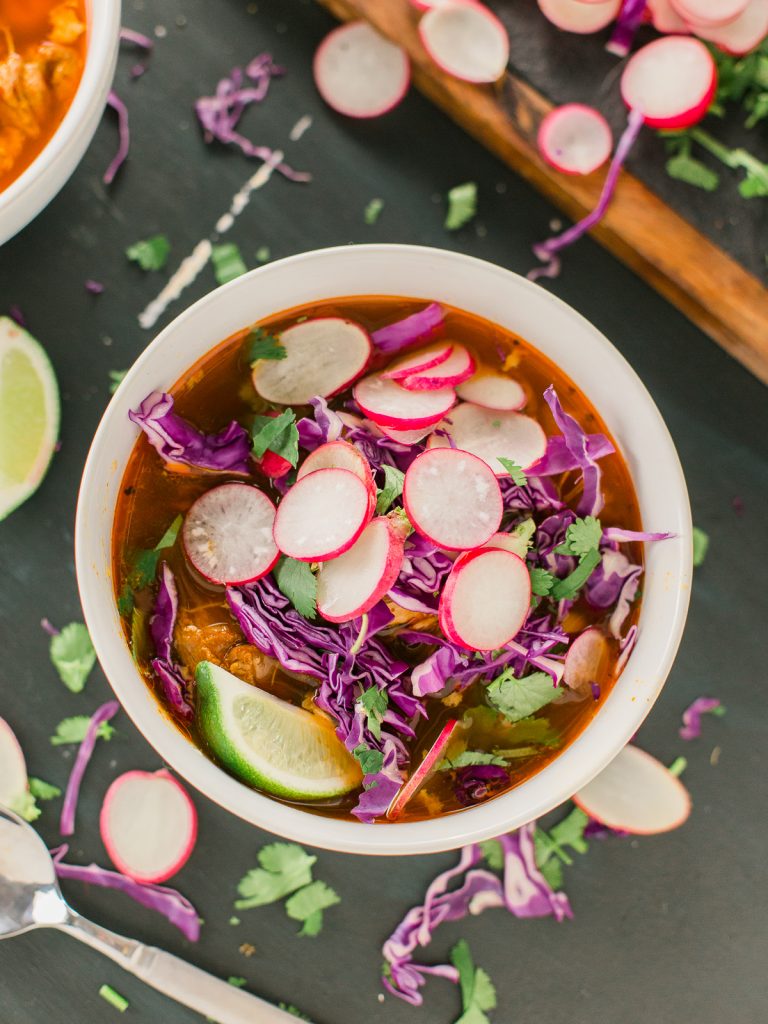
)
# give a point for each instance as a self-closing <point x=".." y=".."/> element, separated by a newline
<point x="48" y="173"/>
<point x="491" y="292"/>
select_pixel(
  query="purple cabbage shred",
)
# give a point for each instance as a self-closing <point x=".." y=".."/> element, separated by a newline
<point x="161" y="627"/>
<point x="403" y="333"/>
<point x="628" y="21"/>
<point x="691" y="727"/>
<point x="326" y="426"/>
<point x="84" y="753"/>
<point x="124" y="137"/>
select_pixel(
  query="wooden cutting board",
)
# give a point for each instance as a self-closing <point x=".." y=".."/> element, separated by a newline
<point x="708" y="285"/>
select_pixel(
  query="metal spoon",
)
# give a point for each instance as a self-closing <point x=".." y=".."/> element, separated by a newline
<point x="30" y="898"/>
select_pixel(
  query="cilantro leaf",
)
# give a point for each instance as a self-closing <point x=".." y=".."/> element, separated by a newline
<point x="524" y="533"/>
<point x="393" y="488"/>
<point x="551" y="847"/>
<point x="151" y="253"/>
<point x="678" y="766"/>
<point x="581" y="537"/>
<point x="285" y="867"/>
<point x="73" y="655"/>
<point x="169" y="537"/>
<point x="683" y="167"/>
<point x="263" y="254"/>
<point x="570" y="831"/>
<point x="278" y="434"/>
<point x="516" y="472"/>
<point x="312" y="925"/>
<point x="542" y="582"/>
<point x="478" y="993"/>
<point x="116" y="379"/>
<point x="264" y="345"/>
<point x="374" y="702"/>
<point x="470" y="757"/>
<point x="700" y="546"/>
<point x="461" y="958"/>
<point x="43" y="790"/>
<point x="373" y="210"/>
<point x="493" y="853"/>
<point x="519" y="698"/>
<point x="144" y="568"/>
<point x="294" y="1011"/>
<point x="552" y="870"/>
<point x="73" y="730"/>
<point x="24" y="805"/>
<point x="371" y="761"/>
<point x="237" y="981"/>
<point x="462" y="206"/>
<point x="308" y="904"/>
<point x="485" y="990"/>
<point x="299" y="584"/>
<point x="227" y="262"/>
<point x="570" y="586"/>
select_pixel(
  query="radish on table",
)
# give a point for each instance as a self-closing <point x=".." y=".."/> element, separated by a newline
<point x="671" y="82"/>
<point x="575" y="139"/>
<point x="467" y="40"/>
<point x="359" y="73"/>
<point x="580" y="16"/>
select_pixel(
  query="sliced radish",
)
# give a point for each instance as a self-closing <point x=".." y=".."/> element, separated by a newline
<point x="671" y="81"/>
<point x="360" y="73"/>
<point x="665" y="18"/>
<point x="710" y="13"/>
<point x="322" y="515"/>
<point x="452" y="498"/>
<point x="457" y="368"/>
<point x="419" y="777"/>
<point x="742" y="35"/>
<point x="427" y="5"/>
<point x="227" y="534"/>
<point x="490" y="434"/>
<point x="408" y="437"/>
<point x="466" y="40"/>
<point x="419" y="361"/>
<point x="354" y="582"/>
<point x="385" y="402"/>
<point x="13" y="768"/>
<point x="587" y="659"/>
<point x="577" y="16"/>
<point x="486" y="599"/>
<point x="349" y="419"/>
<point x="637" y="794"/>
<point x="492" y="391"/>
<point x="339" y="455"/>
<point x="148" y="825"/>
<point x="575" y="139"/>
<point x="271" y="464"/>
<point x="323" y="357"/>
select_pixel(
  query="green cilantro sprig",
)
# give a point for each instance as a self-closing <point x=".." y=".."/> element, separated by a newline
<point x="227" y="262"/>
<point x="150" y="253"/>
<point x="299" y="584"/>
<point x="144" y="567"/>
<point x="462" y="205"/>
<point x="700" y="546"/>
<point x="519" y="698"/>
<point x="516" y="472"/>
<point x="73" y="655"/>
<point x="478" y="994"/>
<point x="278" y="434"/>
<point x="73" y="730"/>
<point x="468" y="758"/>
<point x="374" y="703"/>
<point x="263" y="345"/>
<point x="371" y="761"/>
<point x="393" y="488"/>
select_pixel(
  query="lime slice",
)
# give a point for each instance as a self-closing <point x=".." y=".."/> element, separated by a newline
<point x="29" y="415"/>
<point x="269" y="743"/>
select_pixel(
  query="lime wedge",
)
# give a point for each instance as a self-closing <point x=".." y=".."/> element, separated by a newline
<point x="269" y="743"/>
<point x="29" y="415"/>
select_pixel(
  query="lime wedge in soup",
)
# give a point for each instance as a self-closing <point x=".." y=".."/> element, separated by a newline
<point x="269" y="743"/>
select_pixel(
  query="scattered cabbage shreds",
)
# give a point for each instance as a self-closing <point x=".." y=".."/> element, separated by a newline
<point x="73" y="655"/>
<point x="100" y="716"/>
<point x="691" y="727"/>
<point x="124" y="135"/>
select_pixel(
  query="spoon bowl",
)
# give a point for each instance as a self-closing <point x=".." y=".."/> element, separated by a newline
<point x="29" y="892"/>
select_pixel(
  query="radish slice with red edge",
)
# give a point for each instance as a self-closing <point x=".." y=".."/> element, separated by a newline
<point x="419" y="777"/>
<point x="485" y="599"/>
<point x="353" y="583"/>
<point x="323" y="356"/>
<point x="637" y="794"/>
<point x="385" y="402"/>
<point x="148" y="825"/>
<point x="491" y="433"/>
<point x="741" y="36"/>
<point x="467" y="40"/>
<point x="587" y="659"/>
<point x="575" y="139"/>
<point x="427" y="359"/>
<point x="339" y="455"/>
<point x="13" y="768"/>
<point x="227" y="534"/>
<point x="271" y="464"/>
<point x="452" y="498"/>
<point x="671" y="82"/>
<point x="709" y="13"/>
<point x="359" y="73"/>
<point x="578" y="16"/>
<point x="322" y="515"/>
<point x="457" y="368"/>
<point x="407" y="437"/>
<point x="665" y="18"/>
<point x="492" y="391"/>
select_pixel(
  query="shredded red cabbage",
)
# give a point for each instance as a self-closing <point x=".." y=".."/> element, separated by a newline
<point x="128" y="35"/>
<point x="326" y="426"/>
<point x="536" y="495"/>
<point x="168" y="902"/>
<point x="124" y="135"/>
<point x="614" y="533"/>
<point x="417" y="327"/>
<point x="559" y="458"/>
<point x="424" y="571"/>
<point x="175" y="440"/>
<point x="628" y="21"/>
<point x="576" y="442"/>
<point x="94" y="287"/>
<point x="69" y="807"/>
<point x="477" y="782"/>
<point x="691" y="727"/>
<point x="161" y="626"/>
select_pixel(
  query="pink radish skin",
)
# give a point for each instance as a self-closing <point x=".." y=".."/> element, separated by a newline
<point x="490" y="434"/>
<point x="671" y="81"/>
<point x="324" y="356"/>
<point x="227" y="534"/>
<point x="637" y="794"/>
<point x="587" y="659"/>
<point x="452" y="498"/>
<point x="741" y="36"/>
<point x="271" y="464"/>
<point x="493" y="391"/>
<point x="665" y="18"/>
<point x="709" y="13"/>
<point x="353" y="583"/>
<point x="486" y="599"/>
<point x="455" y="370"/>
<point x="359" y="73"/>
<point x="13" y="768"/>
<point x="339" y="455"/>
<point x="419" y="777"/>
<point x="408" y="437"/>
<point x="419" y="362"/>
<point x="577" y="16"/>
<point x="148" y="825"/>
<point x="466" y="40"/>
<point x="575" y="139"/>
<point x="322" y="515"/>
<point x="390" y="405"/>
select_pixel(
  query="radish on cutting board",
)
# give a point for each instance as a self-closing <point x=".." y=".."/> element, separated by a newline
<point x="323" y="356"/>
<point x="227" y="534"/>
<point x="636" y="793"/>
<point x="709" y="13"/>
<point x="148" y="825"/>
<point x="421" y="774"/>
<point x="452" y="498"/>
<point x="467" y="40"/>
<point x="578" y="16"/>
<point x="492" y="391"/>
<point x="491" y="434"/>
<point x="486" y="599"/>
<point x="353" y="583"/>
<point x="13" y="768"/>
<point x="359" y="73"/>
<point x="742" y="35"/>
<point x="386" y="402"/>
<point x="339" y="455"/>
<point x="427" y="359"/>
<point x="575" y="139"/>
<point x="671" y="82"/>
<point x="587" y="659"/>
<point x="322" y="515"/>
<point x="457" y="368"/>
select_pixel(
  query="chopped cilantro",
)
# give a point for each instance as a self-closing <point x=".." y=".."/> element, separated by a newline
<point x="700" y="546"/>
<point x="144" y="568"/>
<point x="115" y="380"/>
<point x="393" y="488"/>
<point x="73" y="730"/>
<point x="299" y="584"/>
<point x="374" y="702"/>
<point x="478" y="994"/>
<point x="285" y="867"/>
<point x="43" y="790"/>
<point x="169" y="537"/>
<point x="264" y="345"/>
<point x="307" y="905"/>
<point x="542" y="582"/>
<point x="25" y="806"/>
<point x="73" y="655"/>
<point x="294" y="1011"/>
<point x="227" y="262"/>
<point x="462" y="205"/>
<point x="552" y="870"/>
<point x="519" y="698"/>
<point x="278" y="434"/>
<point x="373" y="210"/>
<point x="515" y="471"/>
<point x="684" y="167"/>
<point x="755" y="180"/>
<point x="550" y="847"/>
<point x="237" y="981"/>
<point x="114" y="998"/>
<point x="371" y="761"/>
<point x="678" y="766"/>
<point x="581" y="537"/>
<point x="470" y="757"/>
<point x="572" y="584"/>
<point x="234" y="920"/>
<point x="151" y="253"/>
<point x="263" y="254"/>
<point x="493" y="853"/>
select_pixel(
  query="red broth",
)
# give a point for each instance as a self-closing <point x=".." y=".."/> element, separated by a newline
<point x="218" y="389"/>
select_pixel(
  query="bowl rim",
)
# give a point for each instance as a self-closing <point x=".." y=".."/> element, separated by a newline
<point x="610" y="729"/>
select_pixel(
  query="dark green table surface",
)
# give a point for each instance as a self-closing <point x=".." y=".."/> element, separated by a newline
<point x="666" y="929"/>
